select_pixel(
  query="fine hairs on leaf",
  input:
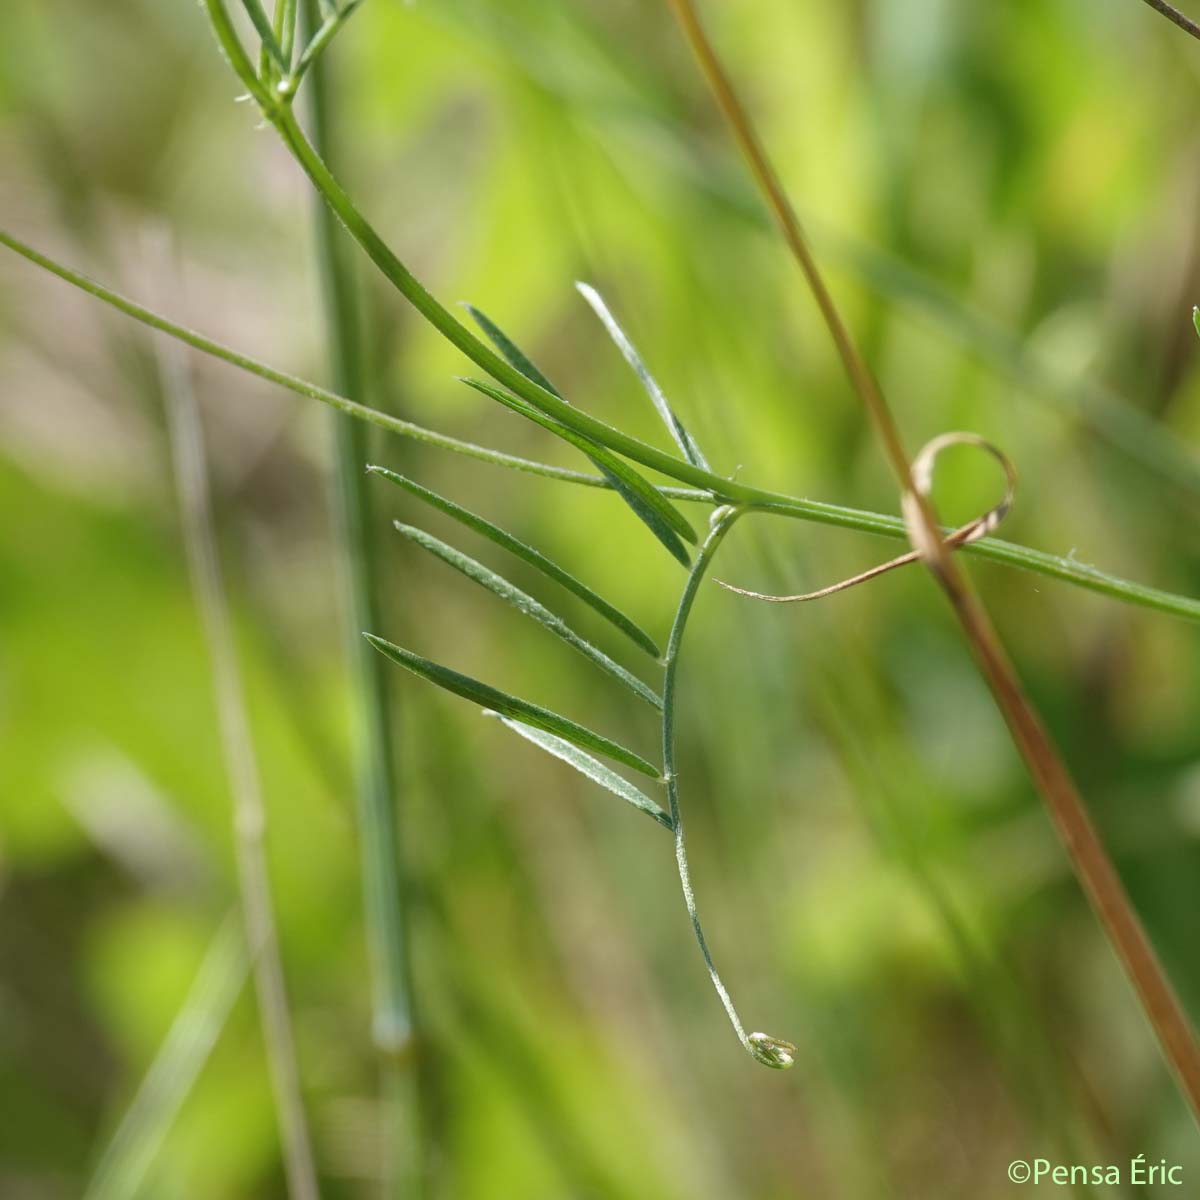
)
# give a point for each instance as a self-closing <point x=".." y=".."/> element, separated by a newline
<point x="588" y="766"/>
<point x="659" y="523"/>
<point x="683" y="439"/>
<point x="665" y="520"/>
<point x="525" y="603"/>
<point x="510" y="706"/>
<point x="537" y="560"/>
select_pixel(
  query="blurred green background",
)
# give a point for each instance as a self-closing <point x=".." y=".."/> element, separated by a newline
<point x="1006" y="197"/>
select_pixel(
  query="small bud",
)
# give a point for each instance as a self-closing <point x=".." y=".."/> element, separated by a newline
<point x="772" y="1052"/>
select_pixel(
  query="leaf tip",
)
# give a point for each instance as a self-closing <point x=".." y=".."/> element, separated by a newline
<point x="380" y="644"/>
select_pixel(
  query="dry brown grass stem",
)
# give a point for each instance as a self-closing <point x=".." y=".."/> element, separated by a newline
<point x="1090" y="860"/>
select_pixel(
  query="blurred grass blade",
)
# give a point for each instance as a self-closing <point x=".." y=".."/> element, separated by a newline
<point x="1127" y="428"/>
<point x="511" y="351"/>
<point x="585" y="764"/>
<point x="510" y="706"/>
<point x="381" y="803"/>
<point x="675" y="426"/>
<point x="533" y="557"/>
<point x="665" y="521"/>
<point x="128" y="1157"/>
<point x="632" y="496"/>
<point x="242" y="773"/>
<point x="523" y="602"/>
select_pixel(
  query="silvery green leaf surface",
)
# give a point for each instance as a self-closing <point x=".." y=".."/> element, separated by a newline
<point x="633" y="495"/>
<point x="522" y="550"/>
<point x="511" y="706"/>
<point x="676" y="428"/>
<point x="586" y="765"/>
<point x="525" y="603"/>
<point x="666" y="522"/>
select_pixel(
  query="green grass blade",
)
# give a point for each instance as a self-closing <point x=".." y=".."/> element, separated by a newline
<point x="534" y="558"/>
<point x="632" y="496"/>
<point x="510" y="706"/>
<point x="525" y="603"/>
<point x="662" y="517"/>
<point x="382" y="811"/>
<point x="130" y="1154"/>
<point x="586" y="765"/>
<point x="675" y="426"/>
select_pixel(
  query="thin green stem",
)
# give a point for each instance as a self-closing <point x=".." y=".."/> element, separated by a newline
<point x="714" y="489"/>
<point x="235" y="53"/>
<point x="458" y="335"/>
<point x="385" y="890"/>
<point x="769" y="1051"/>
<point x="301" y="387"/>
<point x="319" y="43"/>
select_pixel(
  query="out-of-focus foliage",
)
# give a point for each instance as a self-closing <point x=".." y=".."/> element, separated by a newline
<point x="879" y="881"/>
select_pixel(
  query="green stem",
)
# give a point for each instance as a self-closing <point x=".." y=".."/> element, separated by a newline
<point x="458" y="335"/>
<point x="675" y="468"/>
<point x="714" y="489"/>
<point x="769" y="1051"/>
<point x="301" y="387"/>
<point x="235" y="53"/>
<point x="319" y="43"/>
<point x="382" y="850"/>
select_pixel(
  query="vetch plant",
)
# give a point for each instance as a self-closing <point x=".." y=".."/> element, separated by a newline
<point x="517" y="384"/>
